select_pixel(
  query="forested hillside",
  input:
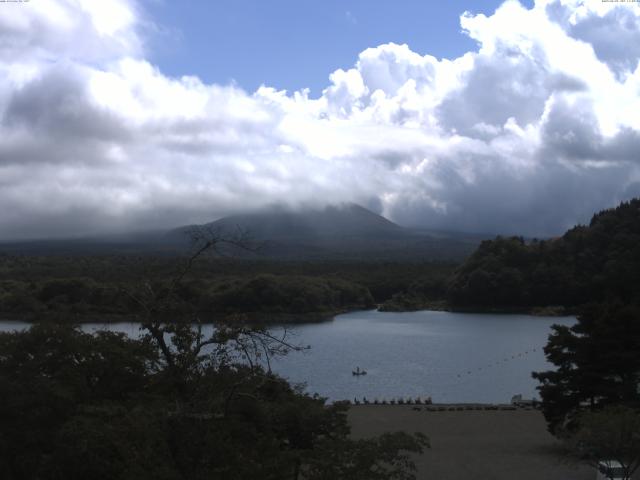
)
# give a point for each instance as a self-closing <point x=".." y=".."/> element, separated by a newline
<point x="600" y="261"/>
<point x="96" y="287"/>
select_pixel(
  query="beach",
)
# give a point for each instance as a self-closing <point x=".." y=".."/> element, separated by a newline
<point x="475" y="444"/>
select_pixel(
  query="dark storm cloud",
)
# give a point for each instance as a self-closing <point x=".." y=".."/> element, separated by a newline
<point x="541" y="203"/>
<point x="56" y="105"/>
<point x="571" y="132"/>
<point x="503" y="85"/>
<point x="54" y="144"/>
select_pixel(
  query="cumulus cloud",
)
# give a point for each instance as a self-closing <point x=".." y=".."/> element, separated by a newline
<point x="529" y="133"/>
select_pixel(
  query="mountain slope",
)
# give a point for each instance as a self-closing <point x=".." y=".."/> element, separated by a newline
<point x="343" y="232"/>
<point x="335" y="232"/>
<point x="330" y="222"/>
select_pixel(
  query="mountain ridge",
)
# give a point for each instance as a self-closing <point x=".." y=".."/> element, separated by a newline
<point x="336" y="232"/>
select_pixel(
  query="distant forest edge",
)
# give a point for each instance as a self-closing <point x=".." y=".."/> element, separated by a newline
<point x="591" y="263"/>
<point x="96" y="288"/>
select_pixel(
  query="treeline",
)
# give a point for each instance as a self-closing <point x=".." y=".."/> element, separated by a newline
<point x="88" y="287"/>
<point x="264" y="293"/>
<point x="597" y="262"/>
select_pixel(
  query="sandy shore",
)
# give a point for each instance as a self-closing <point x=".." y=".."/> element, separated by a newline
<point x="470" y="445"/>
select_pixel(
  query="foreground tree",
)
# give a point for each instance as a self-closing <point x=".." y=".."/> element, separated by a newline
<point x="75" y="405"/>
<point x="597" y="364"/>
<point x="608" y="437"/>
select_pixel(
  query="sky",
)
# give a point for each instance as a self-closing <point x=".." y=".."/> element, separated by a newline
<point x="493" y="117"/>
<point x="293" y="44"/>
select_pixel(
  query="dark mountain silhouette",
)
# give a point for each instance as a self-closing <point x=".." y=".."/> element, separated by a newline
<point x="334" y="232"/>
<point x="339" y="232"/>
<point x="312" y="225"/>
<point x="333" y="221"/>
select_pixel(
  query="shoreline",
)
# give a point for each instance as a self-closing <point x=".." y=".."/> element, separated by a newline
<point x="444" y="407"/>
<point x="283" y="318"/>
<point x="534" y="311"/>
<point x="271" y="319"/>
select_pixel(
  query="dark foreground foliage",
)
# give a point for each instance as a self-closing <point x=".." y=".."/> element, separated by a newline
<point x="75" y="405"/>
<point x="597" y="262"/>
<point x="597" y="364"/>
<point x="608" y="436"/>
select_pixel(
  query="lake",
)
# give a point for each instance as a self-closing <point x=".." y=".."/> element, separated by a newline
<point x="452" y="357"/>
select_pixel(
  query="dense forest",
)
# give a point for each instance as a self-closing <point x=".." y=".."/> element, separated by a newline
<point x="596" y="262"/>
<point x="96" y="287"/>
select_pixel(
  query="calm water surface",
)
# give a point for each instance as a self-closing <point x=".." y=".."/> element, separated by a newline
<point x="452" y="357"/>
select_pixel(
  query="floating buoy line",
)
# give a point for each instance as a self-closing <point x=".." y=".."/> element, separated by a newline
<point x="497" y="363"/>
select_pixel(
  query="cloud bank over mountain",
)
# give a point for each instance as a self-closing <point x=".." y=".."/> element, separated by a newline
<point x="535" y="130"/>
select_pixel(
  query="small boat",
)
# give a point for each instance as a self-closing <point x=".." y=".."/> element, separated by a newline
<point x="358" y="372"/>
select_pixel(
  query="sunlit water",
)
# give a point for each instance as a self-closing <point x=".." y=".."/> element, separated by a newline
<point x="452" y="357"/>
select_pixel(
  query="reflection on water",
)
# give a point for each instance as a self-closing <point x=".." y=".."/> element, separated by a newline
<point x="452" y="357"/>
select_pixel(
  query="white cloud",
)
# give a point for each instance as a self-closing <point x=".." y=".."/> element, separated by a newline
<point x="536" y="129"/>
